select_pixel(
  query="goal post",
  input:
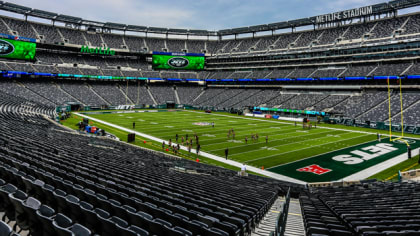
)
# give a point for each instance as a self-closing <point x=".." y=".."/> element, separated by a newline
<point x="401" y="111"/>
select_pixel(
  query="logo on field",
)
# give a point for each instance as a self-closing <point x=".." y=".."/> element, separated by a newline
<point x="178" y="62"/>
<point x="409" y="141"/>
<point x="316" y="169"/>
<point x="202" y="123"/>
<point x="6" y="48"/>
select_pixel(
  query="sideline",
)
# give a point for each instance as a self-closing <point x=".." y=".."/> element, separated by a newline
<point x="204" y="154"/>
<point x="363" y="174"/>
<point x="318" y="127"/>
<point x="380" y="166"/>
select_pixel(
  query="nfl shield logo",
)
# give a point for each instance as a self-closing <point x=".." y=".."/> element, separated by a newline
<point x="316" y="169"/>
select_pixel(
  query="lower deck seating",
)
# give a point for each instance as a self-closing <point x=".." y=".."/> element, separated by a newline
<point x="111" y="188"/>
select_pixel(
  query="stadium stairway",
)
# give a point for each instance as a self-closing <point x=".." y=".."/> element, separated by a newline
<point x="294" y="224"/>
<point x="268" y="223"/>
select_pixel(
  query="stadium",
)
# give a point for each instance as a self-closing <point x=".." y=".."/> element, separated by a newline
<point x="302" y="127"/>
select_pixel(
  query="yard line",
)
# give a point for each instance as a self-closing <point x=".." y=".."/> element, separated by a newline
<point x="204" y="154"/>
<point x="241" y="137"/>
<point x="249" y="145"/>
<point x="321" y="127"/>
<point x="208" y="130"/>
<point x="284" y="144"/>
<point x="324" y="153"/>
<point x="303" y="149"/>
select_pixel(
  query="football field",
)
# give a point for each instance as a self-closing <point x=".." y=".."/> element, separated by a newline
<point x="319" y="154"/>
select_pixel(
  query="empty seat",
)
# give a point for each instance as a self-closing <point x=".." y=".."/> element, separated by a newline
<point x="46" y="217"/>
<point x="5" y="229"/>
<point x="62" y="225"/>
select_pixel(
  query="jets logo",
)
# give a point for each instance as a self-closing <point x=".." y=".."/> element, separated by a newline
<point x="178" y="62"/>
<point x="316" y="169"/>
<point x="409" y="141"/>
<point x="6" y="48"/>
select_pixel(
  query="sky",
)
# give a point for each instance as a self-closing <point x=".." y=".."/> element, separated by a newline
<point x="194" y="14"/>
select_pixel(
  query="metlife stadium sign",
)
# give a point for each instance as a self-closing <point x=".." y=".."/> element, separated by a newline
<point x="344" y="15"/>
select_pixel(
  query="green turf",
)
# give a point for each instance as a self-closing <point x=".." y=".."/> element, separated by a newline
<point x="122" y="135"/>
<point x="286" y="142"/>
<point x="339" y="169"/>
<point x="392" y="173"/>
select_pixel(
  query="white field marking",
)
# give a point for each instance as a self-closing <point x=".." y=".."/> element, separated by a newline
<point x="268" y="148"/>
<point x="302" y="131"/>
<point x="318" y="127"/>
<point x="120" y="115"/>
<point x="285" y="144"/>
<point x="271" y="140"/>
<point x="154" y="123"/>
<point x="275" y="127"/>
<point x="252" y="124"/>
<point x="207" y="128"/>
<point x="235" y="141"/>
<point x="323" y="153"/>
<point x="130" y="117"/>
<point x="140" y="120"/>
<point x="187" y="130"/>
<point x="363" y="174"/>
<point x="232" y="121"/>
<point x="204" y="154"/>
<point x="208" y="135"/>
<point x="303" y="149"/>
<point x="168" y="126"/>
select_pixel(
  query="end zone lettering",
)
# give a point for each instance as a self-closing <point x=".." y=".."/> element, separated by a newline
<point x="375" y="151"/>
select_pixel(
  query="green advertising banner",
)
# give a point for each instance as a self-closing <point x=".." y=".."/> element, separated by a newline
<point x="177" y="62"/>
<point x="17" y="49"/>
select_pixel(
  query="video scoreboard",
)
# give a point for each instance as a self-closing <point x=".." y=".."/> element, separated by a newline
<point x="178" y="61"/>
<point x="17" y="49"/>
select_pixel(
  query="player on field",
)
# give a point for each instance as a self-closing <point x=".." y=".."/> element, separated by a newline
<point x="134" y="125"/>
<point x="163" y="145"/>
<point x="182" y="140"/>
<point x="176" y="137"/>
<point x="233" y="134"/>
<point x="226" y="152"/>
<point x="198" y="149"/>
<point x="409" y="151"/>
<point x="266" y="139"/>
<point x="170" y="142"/>
<point x="246" y="140"/>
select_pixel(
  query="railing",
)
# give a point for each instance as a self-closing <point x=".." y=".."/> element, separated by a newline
<point x="282" y="218"/>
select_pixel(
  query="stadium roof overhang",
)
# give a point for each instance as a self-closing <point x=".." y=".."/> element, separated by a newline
<point x="376" y="9"/>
